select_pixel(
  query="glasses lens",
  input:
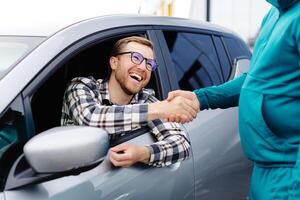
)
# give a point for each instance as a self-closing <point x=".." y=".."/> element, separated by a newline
<point x="151" y="64"/>
<point x="137" y="58"/>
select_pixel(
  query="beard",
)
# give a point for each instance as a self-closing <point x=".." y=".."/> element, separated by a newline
<point x="121" y="79"/>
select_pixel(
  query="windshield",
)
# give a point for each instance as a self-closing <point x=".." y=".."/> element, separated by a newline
<point x="13" y="49"/>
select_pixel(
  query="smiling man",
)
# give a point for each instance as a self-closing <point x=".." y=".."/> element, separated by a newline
<point x="122" y="104"/>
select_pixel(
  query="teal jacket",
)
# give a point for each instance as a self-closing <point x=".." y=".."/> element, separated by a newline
<point x="269" y="95"/>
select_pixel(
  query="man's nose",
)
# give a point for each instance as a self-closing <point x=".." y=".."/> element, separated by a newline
<point x="142" y="65"/>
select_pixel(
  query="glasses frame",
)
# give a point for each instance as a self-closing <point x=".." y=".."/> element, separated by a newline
<point x="141" y="55"/>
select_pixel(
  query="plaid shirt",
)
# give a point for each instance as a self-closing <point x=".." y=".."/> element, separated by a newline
<point x="87" y="102"/>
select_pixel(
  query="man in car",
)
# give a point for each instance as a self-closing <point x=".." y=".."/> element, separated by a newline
<point x="122" y="104"/>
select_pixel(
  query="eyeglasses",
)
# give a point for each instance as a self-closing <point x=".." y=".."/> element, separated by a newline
<point x="138" y="58"/>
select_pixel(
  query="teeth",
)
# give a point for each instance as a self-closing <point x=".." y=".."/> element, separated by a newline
<point x="136" y="76"/>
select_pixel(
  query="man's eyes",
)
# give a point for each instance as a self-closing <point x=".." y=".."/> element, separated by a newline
<point x="137" y="57"/>
<point x="150" y="64"/>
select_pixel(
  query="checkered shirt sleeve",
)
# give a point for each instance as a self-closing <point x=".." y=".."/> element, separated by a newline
<point x="172" y="146"/>
<point x="83" y="106"/>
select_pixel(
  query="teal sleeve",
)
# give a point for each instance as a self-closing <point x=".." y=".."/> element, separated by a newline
<point x="267" y="16"/>
<point x="298" y="43"/>
<point x="299" y="52"/>
<point x="297" y="38"/>
<point x="222" y="96"/>
<point x="299" y="49"/>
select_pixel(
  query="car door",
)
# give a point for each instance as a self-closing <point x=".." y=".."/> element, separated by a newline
<point x="41" y="100"/>
<point x="13" y="135"/>
<point x="221" y="169"/>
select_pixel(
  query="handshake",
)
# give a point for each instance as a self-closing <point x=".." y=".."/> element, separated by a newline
<point x="180" y="106"/>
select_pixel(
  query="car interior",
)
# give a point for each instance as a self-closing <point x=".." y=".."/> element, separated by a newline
<point x="47" y="101"/>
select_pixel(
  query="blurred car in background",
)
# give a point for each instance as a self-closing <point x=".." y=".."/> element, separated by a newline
<point x="70" y="162"/>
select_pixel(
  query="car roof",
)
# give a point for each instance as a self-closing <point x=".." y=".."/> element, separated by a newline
<point x="50" y="26"/>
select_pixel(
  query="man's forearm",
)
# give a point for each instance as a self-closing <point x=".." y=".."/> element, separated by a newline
<point x="114" y="119"/>
<point x="172" y="146"/>
<point x="163" y="153"/>
<point x="153" y="111"/>
<point x="144" y="154"/>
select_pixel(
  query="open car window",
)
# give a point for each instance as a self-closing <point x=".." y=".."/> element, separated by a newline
<point x="91" y="61"/>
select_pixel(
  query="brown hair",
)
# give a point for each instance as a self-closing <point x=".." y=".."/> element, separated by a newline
<point x="119" y="45"/>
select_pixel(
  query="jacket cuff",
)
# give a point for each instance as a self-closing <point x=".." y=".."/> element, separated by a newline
<point x="202" y="99"/>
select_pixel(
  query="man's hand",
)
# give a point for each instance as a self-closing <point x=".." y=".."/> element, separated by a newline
<point x="184" y="109"/>
<point x="125" y="155"/>
<point x="186" y="94"/>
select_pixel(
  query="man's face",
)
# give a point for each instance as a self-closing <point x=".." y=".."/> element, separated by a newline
<point x="130" y="76"/>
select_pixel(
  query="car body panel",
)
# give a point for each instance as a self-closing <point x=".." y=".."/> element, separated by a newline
<point x="108" y="182"/>
<point x="215" y="166"/>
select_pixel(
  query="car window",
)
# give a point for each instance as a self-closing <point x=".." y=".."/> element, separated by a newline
<point x="194" y="59"/>
<point x="88" y="61"/>
<point x="236" y="48"/>
<point x="12" y="130"/>
<point x="13" y="49"/>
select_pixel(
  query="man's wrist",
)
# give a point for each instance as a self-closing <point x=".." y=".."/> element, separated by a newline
<point x="145" y="155"/>
<point x="154" y="111"/>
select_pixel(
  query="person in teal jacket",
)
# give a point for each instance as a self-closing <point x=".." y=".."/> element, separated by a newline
<point x="268" y="97"/>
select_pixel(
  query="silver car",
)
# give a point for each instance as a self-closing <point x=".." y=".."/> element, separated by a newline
<point x="40" y="160"/>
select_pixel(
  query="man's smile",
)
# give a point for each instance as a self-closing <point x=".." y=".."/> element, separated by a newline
<point x="136" y="76"/>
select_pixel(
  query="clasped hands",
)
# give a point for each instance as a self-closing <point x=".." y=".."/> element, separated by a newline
<point x="180" y="106"/>
<point x="191" y="106"/>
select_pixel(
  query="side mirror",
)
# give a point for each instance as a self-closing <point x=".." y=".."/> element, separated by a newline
<point x="240" y="65"/>
<point x="58" y="152"/>
<point x="65" y="148"/>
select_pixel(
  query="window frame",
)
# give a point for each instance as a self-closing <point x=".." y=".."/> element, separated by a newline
<point x="85" y="43"/>
<point x="222" y="46"/>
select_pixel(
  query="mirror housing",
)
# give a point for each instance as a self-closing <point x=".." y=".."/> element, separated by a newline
<point x="66" y="148"/>
<point x="240" y="65"/>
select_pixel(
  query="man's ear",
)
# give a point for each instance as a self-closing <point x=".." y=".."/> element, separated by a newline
<point x="113" y="62"/>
